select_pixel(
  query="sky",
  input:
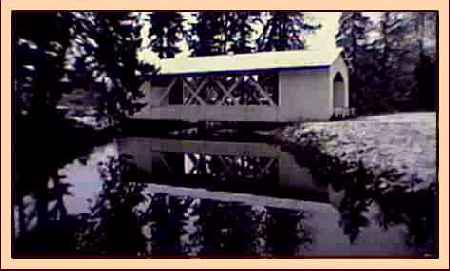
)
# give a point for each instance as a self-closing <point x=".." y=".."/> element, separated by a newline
<point x="324" y="38"/>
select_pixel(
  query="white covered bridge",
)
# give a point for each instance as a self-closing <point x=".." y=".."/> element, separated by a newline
<point x="261" y="87"/>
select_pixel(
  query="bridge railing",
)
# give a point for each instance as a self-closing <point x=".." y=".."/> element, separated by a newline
<point x="340" y="113"/>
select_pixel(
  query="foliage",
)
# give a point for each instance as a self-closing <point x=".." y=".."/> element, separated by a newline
<point x="241" y="31"/>
<point x="114" y="213"/>
<point x="89" y="50"/>
<point x="285" y="31"/>
<point x="217" y="33"/>
<point x="426" y="70"/>
<point x="385" y="59"/>
<point x="38" y="60"/>
<point x="426" y="75"/>
<point x="107" y="45"/>
<point x="166" y="32"/>
<point x="209" y="34"/>
<point x="395" y="58"/>
<point x="352" y="36"/>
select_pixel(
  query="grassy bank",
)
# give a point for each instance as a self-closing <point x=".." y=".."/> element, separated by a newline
<point x="397" y="151"/>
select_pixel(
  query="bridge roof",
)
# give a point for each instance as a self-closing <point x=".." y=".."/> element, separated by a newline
<point x="249" y="62"/>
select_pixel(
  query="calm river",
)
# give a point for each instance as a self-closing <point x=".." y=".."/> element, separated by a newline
<point x="153" y="197"/>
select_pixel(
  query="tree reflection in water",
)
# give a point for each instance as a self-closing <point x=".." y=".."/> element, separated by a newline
<point x="127" y="219"/>
<point x="363" y="193"/>
<point x="113" y="226"/>
<point x="41" y="219"/>
<point x="354" y="207"/>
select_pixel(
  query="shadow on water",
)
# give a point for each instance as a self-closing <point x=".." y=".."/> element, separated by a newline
<point x="152" y="197"/>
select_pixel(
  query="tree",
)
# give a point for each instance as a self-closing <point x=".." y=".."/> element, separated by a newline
<point x="114" y="211"/>
<point x="425" y="71"/>
<point x="395" y="56"/>
<point x="284" y="31"/>
<point x="391" y="63"/>
<point x="167" y="31"/>
<point x="209" y="34"/>
<point x="220" y="33"/>
<point x="38" y="61"/>
<point x="352" y="36"/>
<point x="106" y="44"/>
<point x="241" y="31"/>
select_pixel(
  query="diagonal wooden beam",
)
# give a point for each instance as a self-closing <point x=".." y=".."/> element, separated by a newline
<point x="261" y="90"/>
<point x="269" y="164"/>
<point x="169" y="88"/>
<point x="226" y="166"/>
<point x="221" y="86"/>
<point x="227" y="92"/>
<point x="186" y="84"/>
<point x="195" y="93"/>
<point x="164" y="161"/>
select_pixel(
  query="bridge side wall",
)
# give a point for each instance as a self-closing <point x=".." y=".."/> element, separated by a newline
<point x="305" y="95"/>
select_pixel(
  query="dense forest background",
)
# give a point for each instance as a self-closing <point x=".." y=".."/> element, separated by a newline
<point x="391" y="55"/>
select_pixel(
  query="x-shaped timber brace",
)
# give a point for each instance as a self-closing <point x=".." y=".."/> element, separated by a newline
<point x="229" y="90"/>
<point x="231" y="165"/>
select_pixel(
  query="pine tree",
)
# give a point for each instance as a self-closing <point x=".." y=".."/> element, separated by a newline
<point x="241" y="31"/>
<point x="284" y="31"/>
<point x="352" y="36"/>
<point x="425" y="71"/>
<point x="118" y="40"/>
<point x="209" y="34"/>
<point x="167" y="31"/>
<point x="38" y="60"/>
<point x="395" y="56"/>
<point x="106" y="45"/>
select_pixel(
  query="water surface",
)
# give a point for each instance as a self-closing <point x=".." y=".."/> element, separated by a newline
<point x="153" y="197"/>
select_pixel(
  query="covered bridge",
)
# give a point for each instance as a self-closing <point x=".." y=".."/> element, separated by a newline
<point x="260" y="87"/>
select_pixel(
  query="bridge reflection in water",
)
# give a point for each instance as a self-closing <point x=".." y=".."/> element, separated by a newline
<point x="256" y="168"/>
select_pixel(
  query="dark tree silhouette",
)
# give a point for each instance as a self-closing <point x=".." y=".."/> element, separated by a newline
<point x="242" y="31"/>
<point x="285" y="31"/>
<point x="385" y="61"/>
<point x="166" y="32"/>
<point x="38" y="60"/>
<point x="209" y="34"/>
<point x="113" y="226"/>
<point x="353" y="38"/>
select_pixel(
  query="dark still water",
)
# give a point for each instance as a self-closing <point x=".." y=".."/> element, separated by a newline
<point x="150" y="197"/>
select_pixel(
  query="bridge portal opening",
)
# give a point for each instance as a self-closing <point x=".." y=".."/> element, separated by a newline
<point x="338" y="92"/>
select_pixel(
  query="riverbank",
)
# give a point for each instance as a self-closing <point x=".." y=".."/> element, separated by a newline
<point x="398" y="150"/>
